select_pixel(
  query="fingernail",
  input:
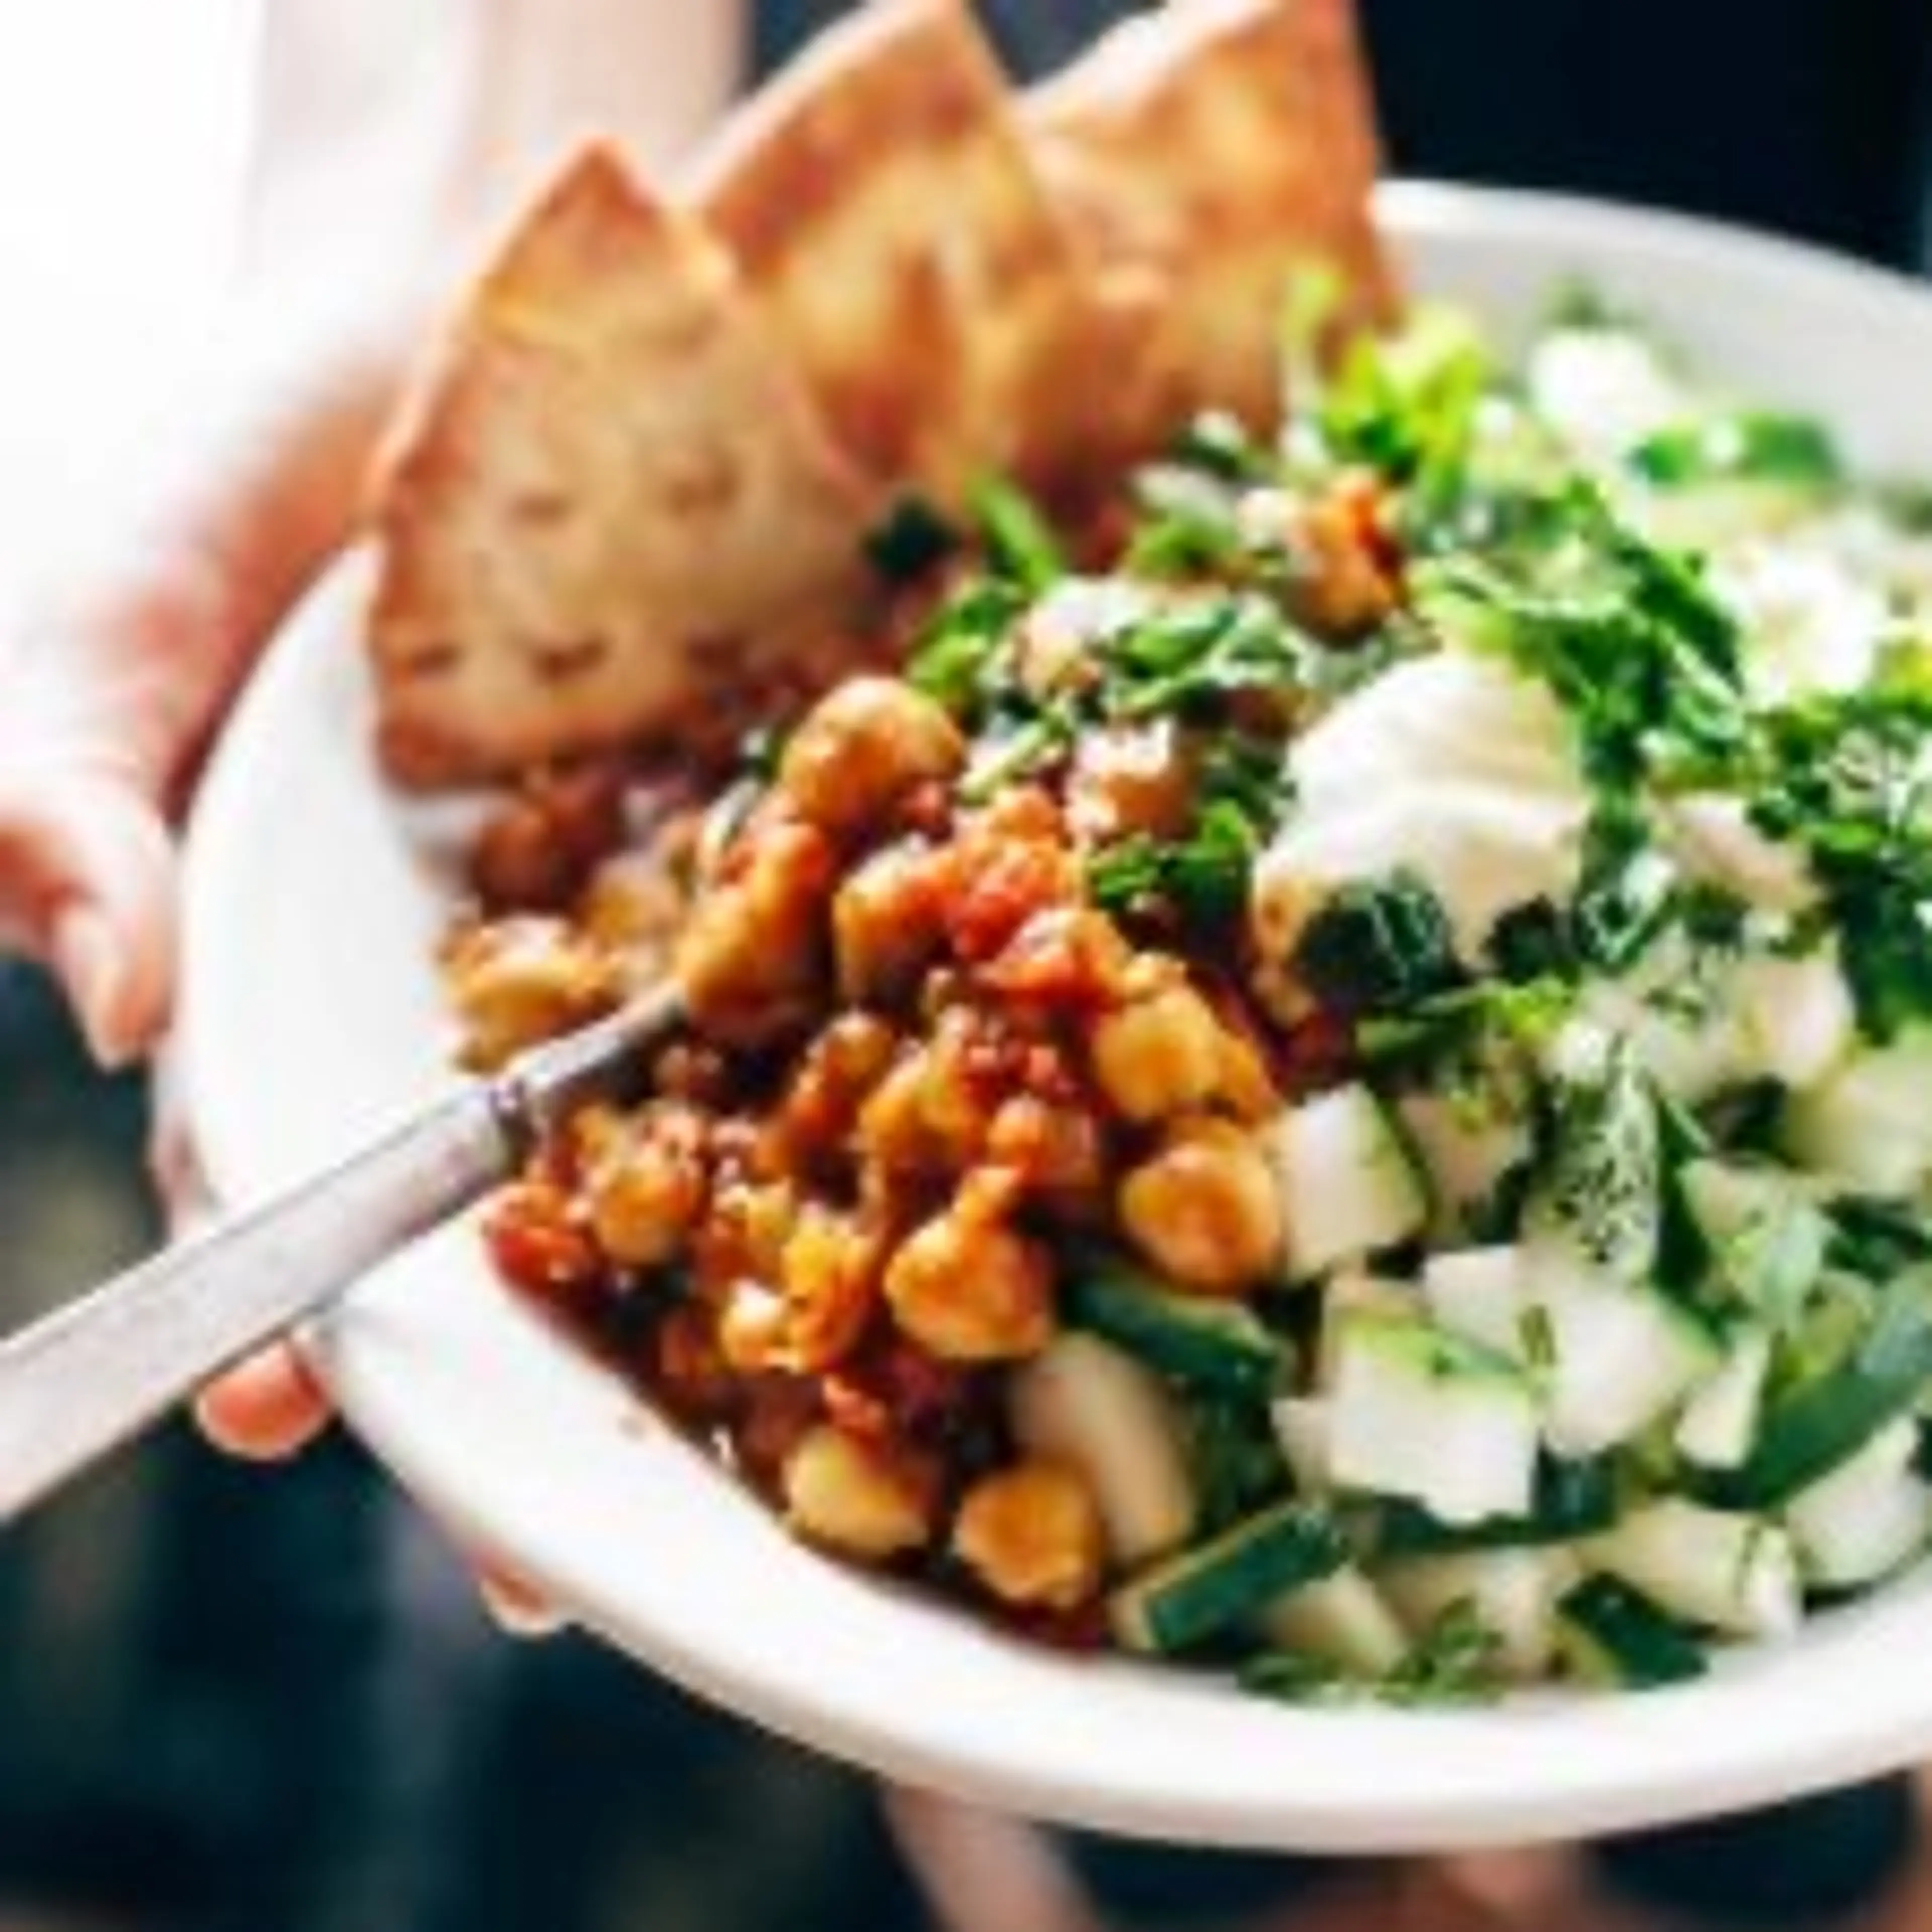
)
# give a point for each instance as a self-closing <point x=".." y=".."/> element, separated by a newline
<point x="87" y="956"/>
<point x="518" y="1611"/>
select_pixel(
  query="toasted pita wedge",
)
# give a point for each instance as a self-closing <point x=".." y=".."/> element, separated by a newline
<point x="1202" y="154"/>
<point x="878" y="197"/>
<point x="613" y="505"/>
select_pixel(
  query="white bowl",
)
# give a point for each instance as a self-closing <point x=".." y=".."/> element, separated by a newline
<point x="311" y="1016"/>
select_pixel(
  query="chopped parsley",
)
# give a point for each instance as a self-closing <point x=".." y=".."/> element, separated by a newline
<point x="1377" y="945"/>
<point x="1019" y="545"/>
<point x="1849" y="780"/>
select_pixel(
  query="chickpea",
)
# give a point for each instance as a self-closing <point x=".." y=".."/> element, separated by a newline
<point x="827" y="1285"/>
<point x="893" y="1135"/>
<point x="646" y="1185"/>
<point x="1032" y="1534"/>
<point x="538" y="848"/>
<point x="521" y="980"/>
<point x="1057" y="1149"/>
<point x="634" y="904"/>
<point x="750" y="960"/>
<point x="1160" y="1055"/>
<point x="1135" y="778"/>
<point x="887" y="921"/>
<point x="862" y="748"/>
<point x="840" y="1068"/>
<point x="744" y="1234"/>
<point x="931" y="1112"/>
<point x="830" y="1271"/>
<point x="863" y="1499"/>
<point x="968" y="1289"/>
<point x="1205" y="1209"/>
<point x="1346" y="592"/>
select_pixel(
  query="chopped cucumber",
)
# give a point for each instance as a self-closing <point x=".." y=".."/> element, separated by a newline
<point x="1767" y="1237"/>
<point x="1811" y="1427"/>
<point x="1085" y="1401"/>
<point x="1481" y="1294"/>
<point x="1572" y="1500"/>
<point x="1867" y="1125"/>
<point x="1348" y="1186"/>
<point x="1217" y="1346"/>
<point x="1344" y="1294"/>
<point x="1719" y="1421"/>
<point x="1610" y="1635"/>
<point x="1868" y="1517"/>
<point x="1622" y="1354"/>
<point x="1731" y="1573"/>
<point x="1417" y="1413"/>
<point x="1340" y="1619"/>
<point x="1601" y="1196"/>
<point x="1466" y="1145"/>
<point x="1796" y="1018"/>
<point x="1512" y="1591"/>
<point x="1301" y="1427"/>
<point x="1191" y="1596"/>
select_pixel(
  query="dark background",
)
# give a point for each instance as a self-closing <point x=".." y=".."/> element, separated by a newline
<point x="268" y="1702"/>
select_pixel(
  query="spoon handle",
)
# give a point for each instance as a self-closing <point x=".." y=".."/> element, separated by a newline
<point x="100" y="1370"/>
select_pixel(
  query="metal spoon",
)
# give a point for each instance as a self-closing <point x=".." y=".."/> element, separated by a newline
<point x="87" y="1378"/>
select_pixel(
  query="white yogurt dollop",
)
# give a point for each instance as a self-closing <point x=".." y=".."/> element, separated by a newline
<point x="1452" y="767"/>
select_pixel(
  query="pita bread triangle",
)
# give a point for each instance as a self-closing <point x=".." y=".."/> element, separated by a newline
<point x="1203" y="154"/>
<point x="882" y="207"/>
<point x="610" y="505"/>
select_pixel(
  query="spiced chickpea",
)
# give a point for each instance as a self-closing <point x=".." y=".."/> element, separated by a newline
<point x="1160" y="1055"/>
<point x="1204" y="1208"/>
<point x="887" y="921"/>
<point x="751" y="961"/>
<point x="970" y="1288"/>
<point x="862" y="748"/>
<point x="1032" y="1534"/>
<point x="866" y="1499"/>
<point x="1132" y="778"/>
<point x="518" y="981"/>
<point x="645" y="1184"/>
<point x="1346" y="592"/>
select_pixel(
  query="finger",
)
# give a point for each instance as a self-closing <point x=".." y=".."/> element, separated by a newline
<point x="265" y="1408"/>
<point x="92" y="874"/>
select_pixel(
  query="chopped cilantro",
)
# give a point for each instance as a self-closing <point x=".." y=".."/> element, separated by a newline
<point x="1406" y="404"/>
<point x="1020" y="545"/>
<point x="1186" y="526"/>
<point x="1846" y="778"/>
<point x="1377" y="945"/>
<point x="1204" y="876"/>
<point x="1752" y="446"/>
<point x="1180" y="656"/>
<point x="1626" y="893"/>
<point x="1239" y="793"/>
<point x="962" y="641"/>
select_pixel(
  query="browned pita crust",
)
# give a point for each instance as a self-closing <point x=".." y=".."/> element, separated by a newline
<point x="612" y="504"/>
<point x="879" y="199"/>
<point x="1202" y="153"/>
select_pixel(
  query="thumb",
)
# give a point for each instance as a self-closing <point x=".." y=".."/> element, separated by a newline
<point x="95" y="870"/>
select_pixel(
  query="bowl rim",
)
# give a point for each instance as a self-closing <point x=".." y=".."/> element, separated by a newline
<point x="1647" y="1769"/>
